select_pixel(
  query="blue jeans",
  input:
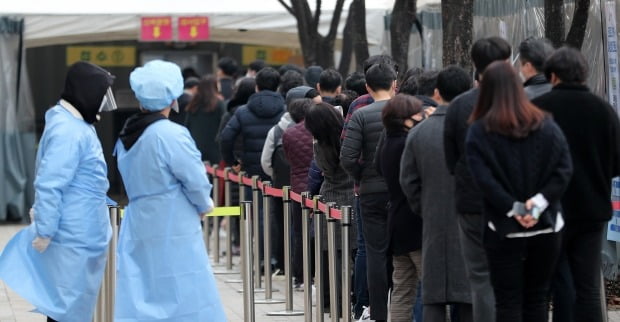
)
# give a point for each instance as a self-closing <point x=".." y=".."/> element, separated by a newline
<point x="417" y="308"/>
<point x="361" y="284"/>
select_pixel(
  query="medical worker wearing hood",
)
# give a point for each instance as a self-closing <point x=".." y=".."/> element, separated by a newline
<point x="163" y="267"/>
<point x="57" y="262"/>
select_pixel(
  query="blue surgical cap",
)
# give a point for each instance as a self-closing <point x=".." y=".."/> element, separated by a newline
<point x="157" y="84"/>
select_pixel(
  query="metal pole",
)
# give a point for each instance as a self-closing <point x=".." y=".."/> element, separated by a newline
<point x="288" y="260"/>
<point x="346" y="264"/>
<point x="246" y="249"/>
<point x="267" y="248"/>
<point x="256" y="233"/>
<point x="111" y="264"/>
<point x="305" y="228"/>
<point x="332" y="254"/>
<point x="227" y="203"/>
<point x="216" y="221"/>
<point x="318" y="259"/>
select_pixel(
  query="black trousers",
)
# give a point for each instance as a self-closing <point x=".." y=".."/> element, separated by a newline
<point x="521" y="270"/>
<point x="374" y="221"/>
<point x="298" y="256"/>
<point x="582" y="243"/>
<point x="277" y="233"/>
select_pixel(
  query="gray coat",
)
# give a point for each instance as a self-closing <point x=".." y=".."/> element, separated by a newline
<point x="337" y="187"/>
<point x="429" y="188"/>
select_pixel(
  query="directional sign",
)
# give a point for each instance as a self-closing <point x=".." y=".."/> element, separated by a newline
<point x="156" y="29"/>
<point x="193" y="28"/>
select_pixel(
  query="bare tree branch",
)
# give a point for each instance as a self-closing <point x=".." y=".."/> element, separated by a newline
<point x="288" y="8"/>
<point x="317" y="14"/>
<point x="333" y="27"/>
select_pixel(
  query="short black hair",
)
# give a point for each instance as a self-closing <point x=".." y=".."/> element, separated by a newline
<point x="380" y="59"/>
<point x="312" y="93"/>
<point x="290" y="79"/>
<point x="487" y="50"/>
<point x="286" y="67"/>
<point x="356" y="82"/>
<point x="452" y="81"/>
<point x="191" y="82"/>
<point x="380" y="77"/>
<point x="298" y="108"/>
<point x="409" y="86"/>
<point x="427" y="82"/>
<point x="344" y="99"/>
<point x="228" y="65"/>
<point x="257" y="65"/>
<point x="413" y="71"/>
<point x="535" y="51"/>
<point x="568" y="64"/>
<point x="312" y="75"/>
<point x="330" y="80"/>
<point x="268" y="79"/>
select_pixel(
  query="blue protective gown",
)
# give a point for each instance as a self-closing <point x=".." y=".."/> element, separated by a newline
<point x="70" y="207"/>
<point x="163" y="268"/>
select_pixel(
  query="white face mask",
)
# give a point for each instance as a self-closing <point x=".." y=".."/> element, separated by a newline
<point x="108" y="103"/>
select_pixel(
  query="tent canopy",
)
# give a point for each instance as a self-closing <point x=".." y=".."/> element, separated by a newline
<point x="236" y="21"/>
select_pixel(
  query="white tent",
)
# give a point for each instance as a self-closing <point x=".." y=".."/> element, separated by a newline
<point x="238" y="21"/>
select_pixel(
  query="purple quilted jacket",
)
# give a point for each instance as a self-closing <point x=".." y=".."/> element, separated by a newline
<point x="297" y="143"/>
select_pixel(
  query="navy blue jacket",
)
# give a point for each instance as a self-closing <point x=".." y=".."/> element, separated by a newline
<point x="252" y="121"/>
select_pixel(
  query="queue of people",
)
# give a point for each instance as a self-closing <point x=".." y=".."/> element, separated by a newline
<point x="482" y="199"/>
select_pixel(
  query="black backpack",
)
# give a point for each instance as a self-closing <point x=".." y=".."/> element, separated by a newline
<point x="281" y="169"/>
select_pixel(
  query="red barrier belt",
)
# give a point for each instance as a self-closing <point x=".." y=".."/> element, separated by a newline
<point x="270" y="191"/>
<point x="247" y="181"/>
<point x="615" y="205"/>
<point x="295" y="197"/>
<point x="335" y="213"/>
<point x="274" y="192"/>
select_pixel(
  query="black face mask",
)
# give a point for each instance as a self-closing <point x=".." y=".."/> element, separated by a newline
<point x="85" y="86"/>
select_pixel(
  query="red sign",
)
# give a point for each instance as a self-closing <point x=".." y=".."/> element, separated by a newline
<point x="156" y="29"/>
<point x="193" y="28"/>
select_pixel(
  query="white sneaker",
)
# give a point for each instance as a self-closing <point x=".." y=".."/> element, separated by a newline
<point x="365" y="314"/>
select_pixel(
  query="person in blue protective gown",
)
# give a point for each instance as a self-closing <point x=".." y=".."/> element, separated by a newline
<point x="163" y="271"/>
<point x="57" y="262"/>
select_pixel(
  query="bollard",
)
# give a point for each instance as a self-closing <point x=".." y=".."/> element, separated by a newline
<point x="110" y="274"/>
<point x="241" y="236"/>
<point x="288" y="259"/>
<point x="346" y="265"/>
<point x="332" y="259"/>
<point x="318" y="259"/>
<point x="256" y="232"/>
<point x="267" y="248"/>
<point x="305" y="213"/>
<point x="215" y="231"/>
<point x="246" y="250"/>
<point x="229" y="232"/>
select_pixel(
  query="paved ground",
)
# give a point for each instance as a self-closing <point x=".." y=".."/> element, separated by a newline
<point x="15" y="309"/>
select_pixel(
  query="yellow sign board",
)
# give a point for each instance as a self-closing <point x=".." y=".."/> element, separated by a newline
<point x="108" y="56"/>
<point x="271" y="55"/>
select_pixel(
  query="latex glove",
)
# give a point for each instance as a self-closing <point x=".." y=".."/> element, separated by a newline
<point x="31" y="213"/>
<point x="40" y="243"/>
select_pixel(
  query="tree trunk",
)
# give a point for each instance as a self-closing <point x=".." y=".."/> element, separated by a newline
<point x="360" y="39"/>
<point x="578" y="26"/>
<point x="347" y="44"/>
<point x="554" y="21"/>
<point x="325" y="52"/>
<point x="458" y="24"/>
<point x="403" y="17"/>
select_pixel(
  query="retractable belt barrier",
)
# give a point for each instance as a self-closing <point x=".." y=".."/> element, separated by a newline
<point x="250" y="245"/>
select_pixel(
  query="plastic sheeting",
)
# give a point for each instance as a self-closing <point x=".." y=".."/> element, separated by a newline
<point x="16" y="125"/>
<point x="514" y="20"/>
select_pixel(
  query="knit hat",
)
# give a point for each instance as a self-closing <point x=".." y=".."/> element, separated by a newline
<point x="312" y="75"/>
<point x="297" y="93"/>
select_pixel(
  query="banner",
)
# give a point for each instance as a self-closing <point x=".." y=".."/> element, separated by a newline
<point x="271" y="55"/>
<point x="193" y="29"/>
<point x="156" y="29"/>
<point x="612" y="53"/>
<point x="106" y="56"/>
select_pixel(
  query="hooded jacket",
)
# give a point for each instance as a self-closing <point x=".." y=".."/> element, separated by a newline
<point x="252" y="121"/>
<point x="85" y="86"/>
<point x="272" y="142"/>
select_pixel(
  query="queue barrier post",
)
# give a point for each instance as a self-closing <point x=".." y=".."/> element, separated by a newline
<point x="346" y="265"/>
<point x="256" y="231"/>
<point x="332" y="259"/>
<point x="318" y="259"/>
<point x="246" y="250"/>
<point x="267" y="199"/>
<point x="229" y="232"/>
<point x="305" y="228"/>
<point x="288" y="260"/>
<point x="215" y="231"/>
